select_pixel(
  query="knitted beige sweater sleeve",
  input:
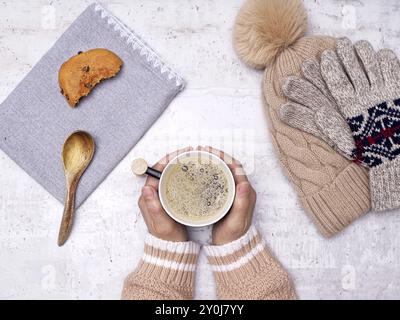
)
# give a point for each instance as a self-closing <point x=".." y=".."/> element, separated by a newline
<point x="245" y="269"/>
<point x="166" y="271"/>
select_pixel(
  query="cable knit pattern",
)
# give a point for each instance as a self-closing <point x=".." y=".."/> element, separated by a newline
<point x="245" y="269"/>
<point x="166" y="271"/>
<point x="333" y="190"/>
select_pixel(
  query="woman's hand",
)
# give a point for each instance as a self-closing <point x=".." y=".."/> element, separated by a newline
<point x="158" y="222"/>
<point x="237" y="222"/>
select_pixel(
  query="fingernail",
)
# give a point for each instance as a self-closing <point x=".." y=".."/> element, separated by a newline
<point x="147" y="192"/>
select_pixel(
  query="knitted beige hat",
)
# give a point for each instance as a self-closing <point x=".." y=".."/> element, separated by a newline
<point x="270" y="34"/>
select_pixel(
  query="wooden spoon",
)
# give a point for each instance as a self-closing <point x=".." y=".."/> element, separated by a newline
<point x="77" y="153"/>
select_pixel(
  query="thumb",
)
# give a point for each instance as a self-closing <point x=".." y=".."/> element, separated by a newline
<point x="243" y="202"/>
<point x="152" y="202"/>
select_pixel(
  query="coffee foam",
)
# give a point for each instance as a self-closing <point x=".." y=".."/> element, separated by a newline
<point x="196" y="189"/>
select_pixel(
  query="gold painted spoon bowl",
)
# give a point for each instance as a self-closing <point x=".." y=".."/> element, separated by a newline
<point x="77" y="153"/>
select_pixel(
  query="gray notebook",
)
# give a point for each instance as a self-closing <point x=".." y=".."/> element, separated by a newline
<point x="35" y="118"/>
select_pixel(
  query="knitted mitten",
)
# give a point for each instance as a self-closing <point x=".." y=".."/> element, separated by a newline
<point x="165" y="272"/>
<point x="270" y="34"/>
<point x="365" y="86"/>
<point x="245" y="269"/>
<point x="312" y="109"/>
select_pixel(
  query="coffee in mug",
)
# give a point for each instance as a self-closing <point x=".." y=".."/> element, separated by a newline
<point x="197" y="188"/>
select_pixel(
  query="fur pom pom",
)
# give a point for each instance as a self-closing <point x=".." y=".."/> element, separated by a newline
<point x="265" y="28"/>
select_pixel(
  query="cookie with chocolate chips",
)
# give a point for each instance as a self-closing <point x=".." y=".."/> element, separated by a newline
<point x="81" y="73"/>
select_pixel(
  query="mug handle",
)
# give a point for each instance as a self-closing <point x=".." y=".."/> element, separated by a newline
<point x="153" y="173"/>
<point x="140" y="168"/>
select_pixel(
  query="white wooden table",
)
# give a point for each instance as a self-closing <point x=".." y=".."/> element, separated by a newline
<point x="221" y="106"/>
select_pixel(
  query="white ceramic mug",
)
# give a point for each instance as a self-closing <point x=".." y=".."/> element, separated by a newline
<point x="231" y="188"/>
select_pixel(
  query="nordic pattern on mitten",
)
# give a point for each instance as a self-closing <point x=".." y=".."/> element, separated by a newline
<point x="366" y="87"/>
<point x="377" y="134"/>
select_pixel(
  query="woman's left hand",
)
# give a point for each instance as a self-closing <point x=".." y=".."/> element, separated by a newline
<point x="158" y="222"/>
